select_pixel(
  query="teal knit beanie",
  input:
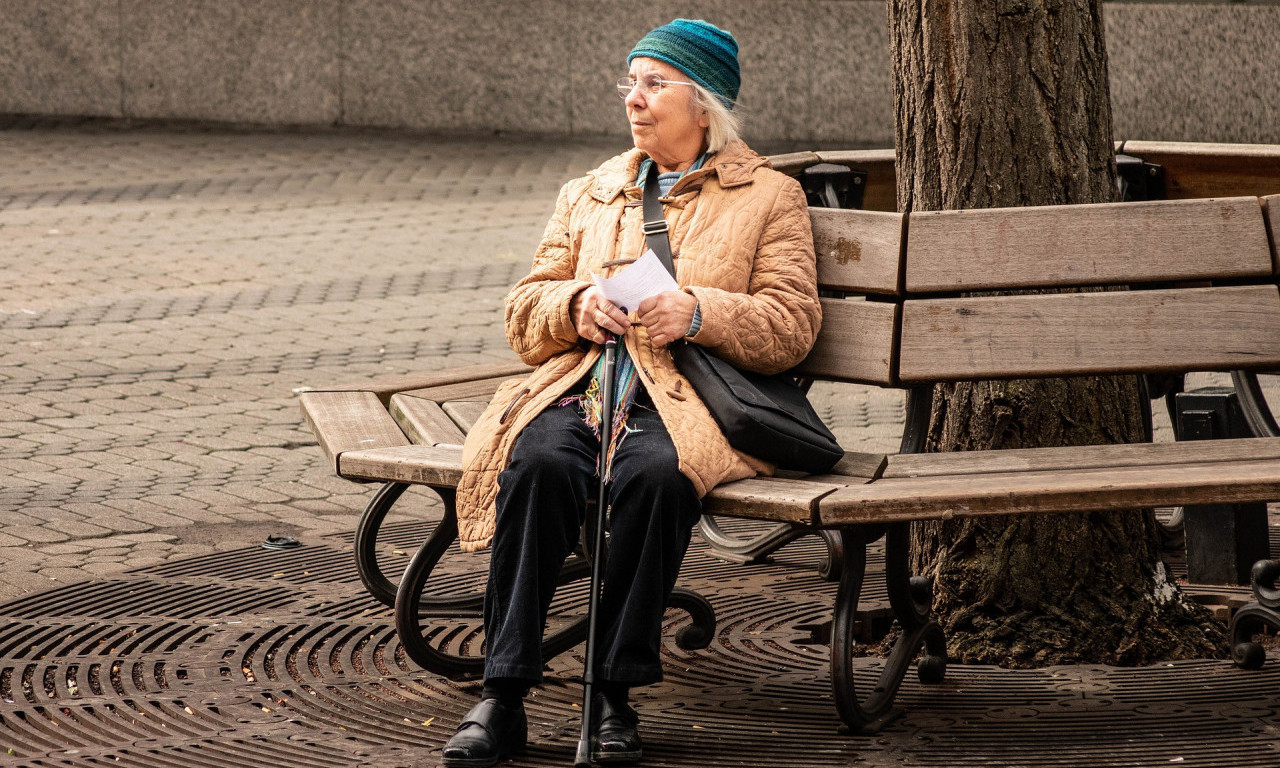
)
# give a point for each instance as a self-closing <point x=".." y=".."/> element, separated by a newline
<point x="703" y="51"/>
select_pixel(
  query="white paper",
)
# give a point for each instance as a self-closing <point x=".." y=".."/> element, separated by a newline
<point x="636" y="282"/>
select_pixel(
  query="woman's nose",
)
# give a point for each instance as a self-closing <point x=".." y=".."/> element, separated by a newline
<point x="635" y="99"/>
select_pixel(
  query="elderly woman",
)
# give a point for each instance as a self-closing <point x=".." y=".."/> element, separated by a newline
<point x="745" y="263"/>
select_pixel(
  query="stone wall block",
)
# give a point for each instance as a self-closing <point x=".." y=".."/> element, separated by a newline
<point x="1194" y="72"/>
<point x="811" y="70"/>
<point x="60" y="58"/>
<point x="457" y="65"/>
<point x="258" y="61"/>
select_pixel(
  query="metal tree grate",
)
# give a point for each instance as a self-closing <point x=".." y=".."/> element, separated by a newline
<point x="259" y="657"/>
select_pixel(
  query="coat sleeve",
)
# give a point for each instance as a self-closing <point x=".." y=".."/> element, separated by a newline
<point x="770" y="328"/>
<point x="537" y="309"/>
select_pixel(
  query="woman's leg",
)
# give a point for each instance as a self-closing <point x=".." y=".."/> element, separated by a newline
<point x="541" y="498"/>
<point x="541" y="502"/>
<point x="654" y="509"/>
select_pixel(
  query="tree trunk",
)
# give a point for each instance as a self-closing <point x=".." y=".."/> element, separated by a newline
<point x="1005" y="103"/>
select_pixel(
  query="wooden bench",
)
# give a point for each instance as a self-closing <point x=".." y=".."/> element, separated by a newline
<point x="1203" y="297"/>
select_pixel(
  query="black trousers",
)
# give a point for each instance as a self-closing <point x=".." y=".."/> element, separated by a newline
<point x="542" y="503"/>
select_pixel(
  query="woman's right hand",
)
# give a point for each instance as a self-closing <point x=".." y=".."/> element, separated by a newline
<point x="593" y="315"/>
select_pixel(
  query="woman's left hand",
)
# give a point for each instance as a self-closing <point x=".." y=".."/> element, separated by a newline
<point x="667" y="316"/>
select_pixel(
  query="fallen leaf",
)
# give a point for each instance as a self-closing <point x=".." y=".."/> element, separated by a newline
<point x="428" y="722"/>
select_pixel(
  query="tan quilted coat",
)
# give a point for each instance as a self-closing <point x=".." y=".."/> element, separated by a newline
<point x="743" y="246"/>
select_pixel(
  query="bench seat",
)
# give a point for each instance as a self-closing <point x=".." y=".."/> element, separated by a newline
<point x="943" y="485"/>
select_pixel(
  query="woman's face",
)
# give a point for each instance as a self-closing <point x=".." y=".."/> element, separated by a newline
<point x="667" y="126"/>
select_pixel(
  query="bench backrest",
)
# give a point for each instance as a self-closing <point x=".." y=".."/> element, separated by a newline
<point x="1188" y="170"/>
<point x="1169" y="286"/>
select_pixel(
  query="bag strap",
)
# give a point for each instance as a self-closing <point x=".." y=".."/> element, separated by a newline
<point x="655" y="224"/>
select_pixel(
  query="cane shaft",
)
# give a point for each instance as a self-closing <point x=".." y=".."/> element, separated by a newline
<point x="583" y="757"/>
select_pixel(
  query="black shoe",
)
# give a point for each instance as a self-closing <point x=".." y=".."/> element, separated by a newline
<point x="616" y="739"/>
<point x="489" y="732"/>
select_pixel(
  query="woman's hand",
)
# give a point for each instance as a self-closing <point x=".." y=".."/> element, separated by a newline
<point x="593" y="315"/>
<point x="667" y="316"/>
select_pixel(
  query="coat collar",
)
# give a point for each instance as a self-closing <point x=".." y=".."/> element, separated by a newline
<point x="733" y="166"/>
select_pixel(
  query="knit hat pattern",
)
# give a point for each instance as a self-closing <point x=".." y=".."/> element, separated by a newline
<point x="701" y="50"/>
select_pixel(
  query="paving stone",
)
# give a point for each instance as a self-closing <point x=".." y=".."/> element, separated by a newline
<point x="320" y="507"/>
<point x="253" y="493"/>
<point x="160" y="519"/>
<point x="121" y="524"/>
<point x="70" y="547"/>
<point x="107" y="553"/>
<point x="35" y="534"/>
<point x="18" y="582"/>
<point x="63" y="574"/>
<point x="79" y="529"/>
<point x="104" y="569"/>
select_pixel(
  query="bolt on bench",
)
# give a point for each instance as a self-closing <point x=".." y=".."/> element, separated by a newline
<point x="1202" y="297"/>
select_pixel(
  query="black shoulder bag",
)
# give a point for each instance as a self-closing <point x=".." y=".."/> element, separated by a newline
<point x="768" y="417"/>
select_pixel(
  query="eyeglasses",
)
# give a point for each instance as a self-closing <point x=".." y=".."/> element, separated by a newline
<point x="650" y="85"/>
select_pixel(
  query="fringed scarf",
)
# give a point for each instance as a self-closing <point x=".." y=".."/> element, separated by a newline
<point x="627" y="382"/>
<point x="626" y="385"/>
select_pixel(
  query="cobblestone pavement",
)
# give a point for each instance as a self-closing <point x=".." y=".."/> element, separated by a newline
<point x="167" y="289"/>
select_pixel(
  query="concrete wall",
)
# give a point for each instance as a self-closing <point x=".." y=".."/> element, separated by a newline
<point x="813" y="70"/>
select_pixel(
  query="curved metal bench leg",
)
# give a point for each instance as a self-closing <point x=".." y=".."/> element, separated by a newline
<point x="414" y="608"/>
<point x="409" y="601"/>
<point x="752" y="550"/>
<point x="833" y="565"/>
<point x="371" y="575"/>
<point x="1257" y="616"/>
<point x="910" y="598"/>
<point x="699" y="633"/>
<point x="1254" y="404"/>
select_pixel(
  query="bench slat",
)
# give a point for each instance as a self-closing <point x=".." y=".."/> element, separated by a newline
<point x="1199" y="329"/>
<point x="777" y="499"/>
<point x="385" y="387"/>
<point x="792" y="163"/>
<point x="854" y="465"/>
<point x="480" y="389"/>
<point x="856" y="343"/>
<point x="465" y="413"/>
<point x="424" y="421"/>
<point x="1079" y="457"/>
<point x="349" y="421"/>
<point x="857" y="251"/>
<point x="1271" y="208"/>
<point x="1072" y="245"/>
<point x="881" y="193"/>
<point x="440" y="466"/>
<point x="1212" y="170"/>
<point x="1110" y="488"/>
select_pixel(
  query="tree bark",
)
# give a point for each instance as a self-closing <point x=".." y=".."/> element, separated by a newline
<point x="1003" y="103"/>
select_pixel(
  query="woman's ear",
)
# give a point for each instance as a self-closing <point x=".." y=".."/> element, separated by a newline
<point x="704" y="119"/>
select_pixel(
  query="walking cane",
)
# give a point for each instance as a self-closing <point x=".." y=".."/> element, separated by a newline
<point x="583" y="758"/>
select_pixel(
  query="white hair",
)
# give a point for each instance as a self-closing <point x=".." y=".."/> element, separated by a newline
<point x="725" y="125"/>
